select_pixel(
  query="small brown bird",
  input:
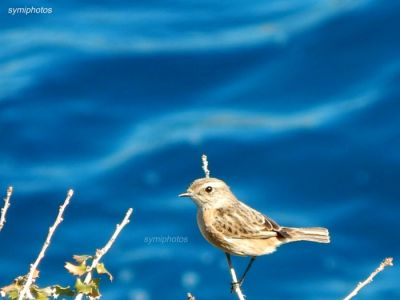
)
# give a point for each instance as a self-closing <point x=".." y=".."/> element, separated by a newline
<point x="238" y="229"/>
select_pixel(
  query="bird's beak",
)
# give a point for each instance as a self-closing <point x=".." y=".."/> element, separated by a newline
<point x="185" y="194"/>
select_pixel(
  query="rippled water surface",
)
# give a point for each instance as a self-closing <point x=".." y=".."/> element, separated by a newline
<point x="296" y="104"/>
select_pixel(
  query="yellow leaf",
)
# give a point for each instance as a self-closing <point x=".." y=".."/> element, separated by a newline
<point x="76" y="270"/>
<point x="101" y="269"/>
<point x="80" y="259"/>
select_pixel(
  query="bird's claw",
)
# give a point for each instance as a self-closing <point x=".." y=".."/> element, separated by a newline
<point x="235" y="285"/>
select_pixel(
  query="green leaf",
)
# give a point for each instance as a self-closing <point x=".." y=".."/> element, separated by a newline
<point x="9" y="288"/>
<point x="95" y="288"/>
<point x="63" y="291"/>
<point x="82" y="287"/>
<point x="101" y="269"/>
<point x="11" y="291"/>
<point x="40" y="294"/>
<point x="80" y="259"/>
<point x="95" y="282"/>
<point x="76" y="270"/>
<point x="91" y="290"/>
<point x="20" y="281"/>
<point x="13" y="294"/>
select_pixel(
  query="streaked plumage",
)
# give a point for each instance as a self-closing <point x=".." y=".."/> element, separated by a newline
<point x="238" y="229"/>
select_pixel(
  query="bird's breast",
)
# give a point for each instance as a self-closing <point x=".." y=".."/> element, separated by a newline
<point x="204" y="221"/>
<point x="216" y="238"/>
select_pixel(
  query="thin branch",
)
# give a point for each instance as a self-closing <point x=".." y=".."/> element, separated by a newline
<point x="205" y="166"/>
<point x="33" y="269"/>
<point x="190" y="297"/>
<point x="235" y="284"/>
<point x="386" y="262"/>
<point x="5" y="207"/>
<point x="101" y="252"/>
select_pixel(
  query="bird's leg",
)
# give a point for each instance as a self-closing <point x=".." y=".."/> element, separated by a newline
<point x="252" y="259"/>
<point x="235" y="284"/>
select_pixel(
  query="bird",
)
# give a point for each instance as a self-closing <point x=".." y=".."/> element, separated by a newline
<point x="237" y="229"/>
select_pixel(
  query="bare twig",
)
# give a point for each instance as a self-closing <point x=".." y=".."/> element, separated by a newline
<point x="5" y="207"/>
<point x="205" y="166"/>
<point x="386" y="262"/>
<point x="101" y="252"/>
<point x="235" y="284"/>
<point x="190" y="297"/>
<point x="34" y="266"/>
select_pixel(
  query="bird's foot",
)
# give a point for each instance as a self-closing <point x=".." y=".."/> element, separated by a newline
<point x="235" y="285"/>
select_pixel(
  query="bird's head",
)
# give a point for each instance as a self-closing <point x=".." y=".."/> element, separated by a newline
<point x="209" y="193"/>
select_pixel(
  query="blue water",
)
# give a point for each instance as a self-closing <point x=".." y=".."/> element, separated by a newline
<point x="296" y="104"/>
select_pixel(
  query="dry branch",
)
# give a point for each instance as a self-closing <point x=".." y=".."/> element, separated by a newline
<point x="5" y="207"/>
<point x="101" y="252"/>
<point x="235" y="284"/>
<point x="205" y="166"/>
<point x="190" y="297"/>
<point x="386" y="262"/>
<point x="34" y="266"/>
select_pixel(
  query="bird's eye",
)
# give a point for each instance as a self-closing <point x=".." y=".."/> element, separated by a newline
<point x="209" y="189"/>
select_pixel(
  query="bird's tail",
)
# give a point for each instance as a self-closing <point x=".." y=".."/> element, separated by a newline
<point x="311" y="234"/>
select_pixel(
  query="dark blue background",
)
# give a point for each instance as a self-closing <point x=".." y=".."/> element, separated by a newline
<point x="296" y="104"/>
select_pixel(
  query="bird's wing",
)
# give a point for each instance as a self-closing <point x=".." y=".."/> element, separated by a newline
<point x="242" y="222"/>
